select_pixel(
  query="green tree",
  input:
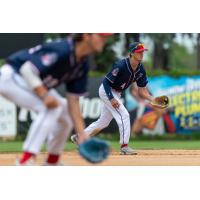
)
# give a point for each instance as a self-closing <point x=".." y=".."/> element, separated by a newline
<point x="104" y="61"/>
<point x="162" y="49"/>
<point x="181" y="58"/>
<point x="198" y="51"/>
<point x="130" y="38"/>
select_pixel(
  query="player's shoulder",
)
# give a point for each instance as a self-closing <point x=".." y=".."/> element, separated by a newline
<point x="120" y="63"/>
<point x="141" y="67"/>
<point x="60" y="45"/>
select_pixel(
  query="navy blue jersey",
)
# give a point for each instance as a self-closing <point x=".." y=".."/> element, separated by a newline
<point x="122" y="76"/>
<point x="55" y="63"/>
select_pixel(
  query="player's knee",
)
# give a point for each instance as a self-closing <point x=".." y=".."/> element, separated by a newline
<point x="40" y="108"/>
<point x="122" y="119"/>
<point x="105" y="125"/>
<point x="56" y="112"/>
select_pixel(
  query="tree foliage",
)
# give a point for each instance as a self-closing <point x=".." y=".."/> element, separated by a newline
<point x="167" y="54"/>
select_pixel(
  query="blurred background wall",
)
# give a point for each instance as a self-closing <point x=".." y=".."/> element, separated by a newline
<point x="11" y="42"/>
<point x="172" y="64"/>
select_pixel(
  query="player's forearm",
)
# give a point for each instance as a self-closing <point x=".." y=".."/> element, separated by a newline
<point x="107" y="89"/>
<point x="143" y="92"/>
<point x="41" y="91"/>
<point x="31" y="75"/>
<point x="75" y="113"/>
<point x="32" y="78"/>
<point x="135" y="94"/>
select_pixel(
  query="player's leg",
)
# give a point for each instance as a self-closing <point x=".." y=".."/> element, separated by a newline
<point x="122" y="118"/>
<point x="56" y="143"/>
<point x="45" y="123"/>
<point x="94" y="128"/>
<point x="103" y="121"/>
<point x="57" y="139"/>
<point x="14" y="88"/>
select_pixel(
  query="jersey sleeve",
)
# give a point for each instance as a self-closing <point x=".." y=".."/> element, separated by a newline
<point x="112" y="75"/>
<point x="43" y="60"/>
<point x="107" y="89"/>
<point x="142" y="81"/>
<point x="46" y="55"/>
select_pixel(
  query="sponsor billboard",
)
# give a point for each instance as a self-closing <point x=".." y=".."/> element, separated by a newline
<point x="8" y="120"/>
<point x="183" y="114"/>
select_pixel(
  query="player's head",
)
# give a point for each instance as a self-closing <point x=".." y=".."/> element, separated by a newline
<point x="94" y="41"/>
<point x="97" y="41"/>
<point x="136" y="51"/>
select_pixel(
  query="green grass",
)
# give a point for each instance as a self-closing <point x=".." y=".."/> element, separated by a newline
<point x="15" y="146"/>
<point x="161" y="144"/>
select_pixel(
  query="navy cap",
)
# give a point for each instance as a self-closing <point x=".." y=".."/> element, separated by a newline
<point x="136" y="47"/>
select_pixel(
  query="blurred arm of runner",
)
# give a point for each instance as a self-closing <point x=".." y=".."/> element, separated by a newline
<point x="33" y="80"/>
<point x="50" y="101"/>
<point x="75" y="113"/>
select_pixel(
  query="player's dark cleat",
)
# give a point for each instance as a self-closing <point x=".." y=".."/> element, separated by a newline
<point x="74" y="139"/>
<point x="127" y="151"/>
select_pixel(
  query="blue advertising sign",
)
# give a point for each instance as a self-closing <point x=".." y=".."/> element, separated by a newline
<point x="183" y="114"/>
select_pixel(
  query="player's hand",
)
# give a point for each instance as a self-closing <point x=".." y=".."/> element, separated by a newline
<point x="82" y="137"/>
<point x="115" y="103"/>
<point x="50" y="102"/>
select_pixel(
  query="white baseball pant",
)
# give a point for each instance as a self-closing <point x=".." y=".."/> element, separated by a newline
<point x="51" y="125"/>
<point x="121" y="116"/>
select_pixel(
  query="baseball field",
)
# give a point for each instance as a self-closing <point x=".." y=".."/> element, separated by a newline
<point x="150" y="153"/>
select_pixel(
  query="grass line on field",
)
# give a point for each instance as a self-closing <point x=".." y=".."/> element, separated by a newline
<point x="16" y="146"/>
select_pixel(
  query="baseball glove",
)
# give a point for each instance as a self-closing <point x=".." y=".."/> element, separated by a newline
<point x="94" y="150"/>
<point x="160" y="102"/>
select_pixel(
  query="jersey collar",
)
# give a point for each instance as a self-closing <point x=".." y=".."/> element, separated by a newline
<point x="129" y="66"/>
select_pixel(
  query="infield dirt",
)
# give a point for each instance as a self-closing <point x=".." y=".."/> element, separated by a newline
<point x="144" y="158"/>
